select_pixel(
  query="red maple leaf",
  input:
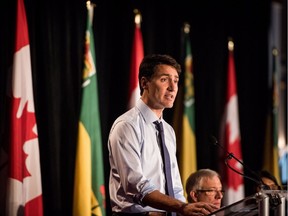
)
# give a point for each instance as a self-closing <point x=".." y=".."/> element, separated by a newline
<point x="21" y="131"/>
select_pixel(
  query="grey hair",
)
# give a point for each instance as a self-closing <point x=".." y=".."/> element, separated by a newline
<point x="194" y="180"/>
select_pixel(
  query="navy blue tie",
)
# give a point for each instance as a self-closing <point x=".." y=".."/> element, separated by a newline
<point x="166" y="161"/>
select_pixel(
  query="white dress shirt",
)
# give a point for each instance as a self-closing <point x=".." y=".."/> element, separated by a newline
<point x="135" y="160"/>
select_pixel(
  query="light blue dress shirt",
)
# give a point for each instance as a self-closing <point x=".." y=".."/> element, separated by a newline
<point x="136" y="162"/>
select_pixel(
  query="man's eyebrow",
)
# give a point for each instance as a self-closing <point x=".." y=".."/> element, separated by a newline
<point x="208" y="188"/>
<point x="169" y="75"/>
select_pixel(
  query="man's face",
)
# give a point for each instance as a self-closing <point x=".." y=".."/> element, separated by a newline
<point x="161" y="90"/>
<point x="210" y="191"/>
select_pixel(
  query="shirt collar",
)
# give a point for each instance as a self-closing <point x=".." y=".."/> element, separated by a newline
<point x="148" y="115"/>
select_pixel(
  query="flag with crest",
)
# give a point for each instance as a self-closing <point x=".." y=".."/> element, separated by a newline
<point x="89" y="189"/>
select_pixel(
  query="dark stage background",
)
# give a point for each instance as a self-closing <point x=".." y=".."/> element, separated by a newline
<point x="56" y="30"/>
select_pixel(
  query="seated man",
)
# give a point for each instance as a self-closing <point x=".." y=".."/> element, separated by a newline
<point x="204" y="186"/>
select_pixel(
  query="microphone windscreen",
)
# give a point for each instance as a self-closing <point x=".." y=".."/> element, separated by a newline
<point x="213" y="140"/>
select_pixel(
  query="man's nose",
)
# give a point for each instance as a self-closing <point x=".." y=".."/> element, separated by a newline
<point x="172" y="86"/>
<point x="219" y="194"/>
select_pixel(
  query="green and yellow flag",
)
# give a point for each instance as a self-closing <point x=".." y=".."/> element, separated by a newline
<point x="184" y="117"/>
<point x="275" y="129"/>
<point x="271" y="161"/>
<point x="89" y="189"/>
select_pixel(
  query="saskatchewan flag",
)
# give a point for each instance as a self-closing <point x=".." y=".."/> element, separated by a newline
<point x="184" y="116"/>
<point x="89" y="190"/>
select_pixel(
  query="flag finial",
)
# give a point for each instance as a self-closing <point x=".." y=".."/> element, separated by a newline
<point x="138" y="17"/>
<point x="186" y="27"/>
<point x="89" y="4"/>
<point x="275" y="51"/>
<point x="230" y="44"/>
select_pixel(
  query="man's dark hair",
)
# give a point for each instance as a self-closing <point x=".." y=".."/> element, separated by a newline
<point x="150" y="62"/>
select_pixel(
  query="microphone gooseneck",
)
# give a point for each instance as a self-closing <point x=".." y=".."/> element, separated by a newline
<point x="230" y="155"/>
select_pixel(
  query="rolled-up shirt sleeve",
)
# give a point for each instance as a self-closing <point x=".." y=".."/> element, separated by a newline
<point x="125" y="145"/>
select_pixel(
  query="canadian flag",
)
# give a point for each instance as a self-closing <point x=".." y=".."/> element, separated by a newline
<point x="24" y="191"/>
<point x="136" y="58"/>
<point x="233" y="182"/>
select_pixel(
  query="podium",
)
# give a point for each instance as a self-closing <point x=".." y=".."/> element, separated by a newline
<point x="263" y="203"/>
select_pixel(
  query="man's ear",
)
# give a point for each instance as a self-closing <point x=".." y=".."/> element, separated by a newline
<point x="194" y="196"/>
<point x="144" y="82"/>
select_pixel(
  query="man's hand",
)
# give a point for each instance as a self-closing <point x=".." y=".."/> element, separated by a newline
<point x="199" y="208"/>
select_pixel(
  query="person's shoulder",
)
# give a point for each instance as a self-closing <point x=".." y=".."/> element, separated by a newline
<point x="129" y="122"/>
<point x="127" y="118"/>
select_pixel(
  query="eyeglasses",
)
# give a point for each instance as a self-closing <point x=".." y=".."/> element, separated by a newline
<point x="211" y="192"/>
<point x="274" y="187"/>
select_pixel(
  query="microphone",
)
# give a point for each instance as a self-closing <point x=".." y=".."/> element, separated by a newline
<point x="230" y="155"/>
<point x="274" y="199"/>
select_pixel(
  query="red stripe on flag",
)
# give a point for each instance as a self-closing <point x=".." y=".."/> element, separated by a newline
<point x="136" y="58"/>
<point x="34" y="207"/>
<point x="231" y="79"/>
<point x="22" y="38"/>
